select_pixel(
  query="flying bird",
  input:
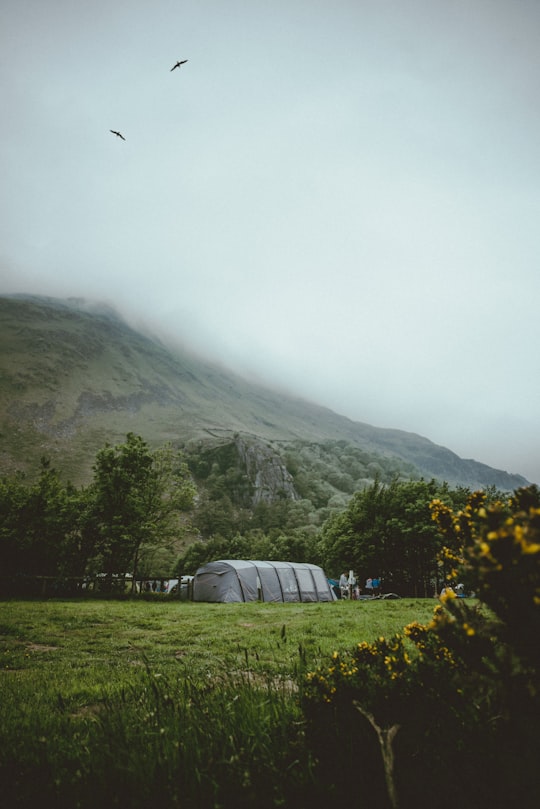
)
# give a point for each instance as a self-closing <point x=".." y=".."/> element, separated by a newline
<point x="118" y="134"/>
<point x="178" y="64"/>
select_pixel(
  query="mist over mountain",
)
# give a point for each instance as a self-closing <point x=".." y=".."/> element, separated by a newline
<point x="75" y="375"/>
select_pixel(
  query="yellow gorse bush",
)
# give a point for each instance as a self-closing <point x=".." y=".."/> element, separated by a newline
<point x="464" y="682"/>
<point x="497" y="545"/>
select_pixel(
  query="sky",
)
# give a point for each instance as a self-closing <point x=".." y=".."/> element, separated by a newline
<point x="336" y="198"/>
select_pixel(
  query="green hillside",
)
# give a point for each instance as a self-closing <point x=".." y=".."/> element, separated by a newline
<point x="75" y="376"/>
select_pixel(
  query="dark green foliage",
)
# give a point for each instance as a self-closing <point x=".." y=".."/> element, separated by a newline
<point x="137" y="496"/>
<point x="451" y="707"/>
<point x="39" y="525"/>
<point x="130" y="510"/>
<point x="321" y="469"/>
<point x="387" y="530"/>
<point x="324" y="477"/>
<point x="256" y="545"/>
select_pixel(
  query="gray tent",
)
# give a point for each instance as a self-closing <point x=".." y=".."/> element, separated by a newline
<point x="234" y="580"/>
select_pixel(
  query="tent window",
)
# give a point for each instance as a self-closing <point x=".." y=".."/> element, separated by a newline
<point x="321" y="584"/>
<point x="306" y="584"/>
<point x="288" y="583"/>
<point x="270" y="585"/>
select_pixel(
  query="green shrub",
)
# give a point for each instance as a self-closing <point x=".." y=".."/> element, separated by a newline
<point x="424" y="712"/>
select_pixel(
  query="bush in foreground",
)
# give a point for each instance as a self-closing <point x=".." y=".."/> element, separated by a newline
<point x="446" y="711"/>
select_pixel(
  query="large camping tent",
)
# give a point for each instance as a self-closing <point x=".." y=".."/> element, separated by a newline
<point x="234" y="580"/>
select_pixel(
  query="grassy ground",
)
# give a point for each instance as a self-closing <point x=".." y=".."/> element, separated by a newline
<point x="69" y="639"/>
<point x="129" y="703"/>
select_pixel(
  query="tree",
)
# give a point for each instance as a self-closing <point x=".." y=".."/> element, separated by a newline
<point x="14" y="494"/>
<point x="387" y="530"/>
<point x="137" y="498"/>
<point x="39" y="526"/>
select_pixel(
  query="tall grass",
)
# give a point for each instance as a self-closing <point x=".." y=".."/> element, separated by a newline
<point x="133" y="704"/>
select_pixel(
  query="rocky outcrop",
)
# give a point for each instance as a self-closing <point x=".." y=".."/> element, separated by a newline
<point x="266" y="471"/>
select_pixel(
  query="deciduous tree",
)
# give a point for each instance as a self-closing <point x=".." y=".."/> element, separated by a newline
<point x="137" y="498"/>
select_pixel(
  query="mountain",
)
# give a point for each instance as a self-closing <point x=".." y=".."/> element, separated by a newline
<point x="75" y="376"/>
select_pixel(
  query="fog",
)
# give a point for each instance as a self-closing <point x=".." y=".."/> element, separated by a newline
<point x="337" y="199"/>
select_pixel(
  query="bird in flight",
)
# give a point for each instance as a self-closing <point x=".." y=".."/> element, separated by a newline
<point x="118" y="134"/>
<point x="178" y="64"/>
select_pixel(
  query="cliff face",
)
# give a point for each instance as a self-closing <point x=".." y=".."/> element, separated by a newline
<point x="266" y="472"/>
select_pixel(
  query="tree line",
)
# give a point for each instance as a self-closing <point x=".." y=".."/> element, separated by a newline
<point x="149" y="513"/>
<point x="129" y="514"/>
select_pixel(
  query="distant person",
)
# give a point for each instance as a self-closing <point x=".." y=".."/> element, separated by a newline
<point x="369" y="587"/>
<point x="356" y="589"/>
<point x="376" y="584"/>
<point x="344" y="585"/>
<point x="352" y="584"/>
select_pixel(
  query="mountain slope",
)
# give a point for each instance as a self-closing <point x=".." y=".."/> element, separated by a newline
<point x="74" y="377"/>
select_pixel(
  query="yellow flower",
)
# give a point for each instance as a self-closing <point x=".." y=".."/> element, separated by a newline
<point x="530" y="547"/>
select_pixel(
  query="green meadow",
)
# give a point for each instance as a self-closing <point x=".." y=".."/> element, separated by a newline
<point x="127" y="703"/>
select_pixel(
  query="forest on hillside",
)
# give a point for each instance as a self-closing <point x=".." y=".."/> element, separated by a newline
<point x="159" y="513"/>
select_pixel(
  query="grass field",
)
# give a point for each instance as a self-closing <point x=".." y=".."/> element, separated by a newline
<point x="128" y="703"/>
<point x="72" y="641"/>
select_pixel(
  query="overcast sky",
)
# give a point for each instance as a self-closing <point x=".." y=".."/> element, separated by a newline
<point x="339" y="197"/>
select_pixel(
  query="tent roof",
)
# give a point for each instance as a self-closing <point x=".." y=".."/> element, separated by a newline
<point x="241" y="564"/>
